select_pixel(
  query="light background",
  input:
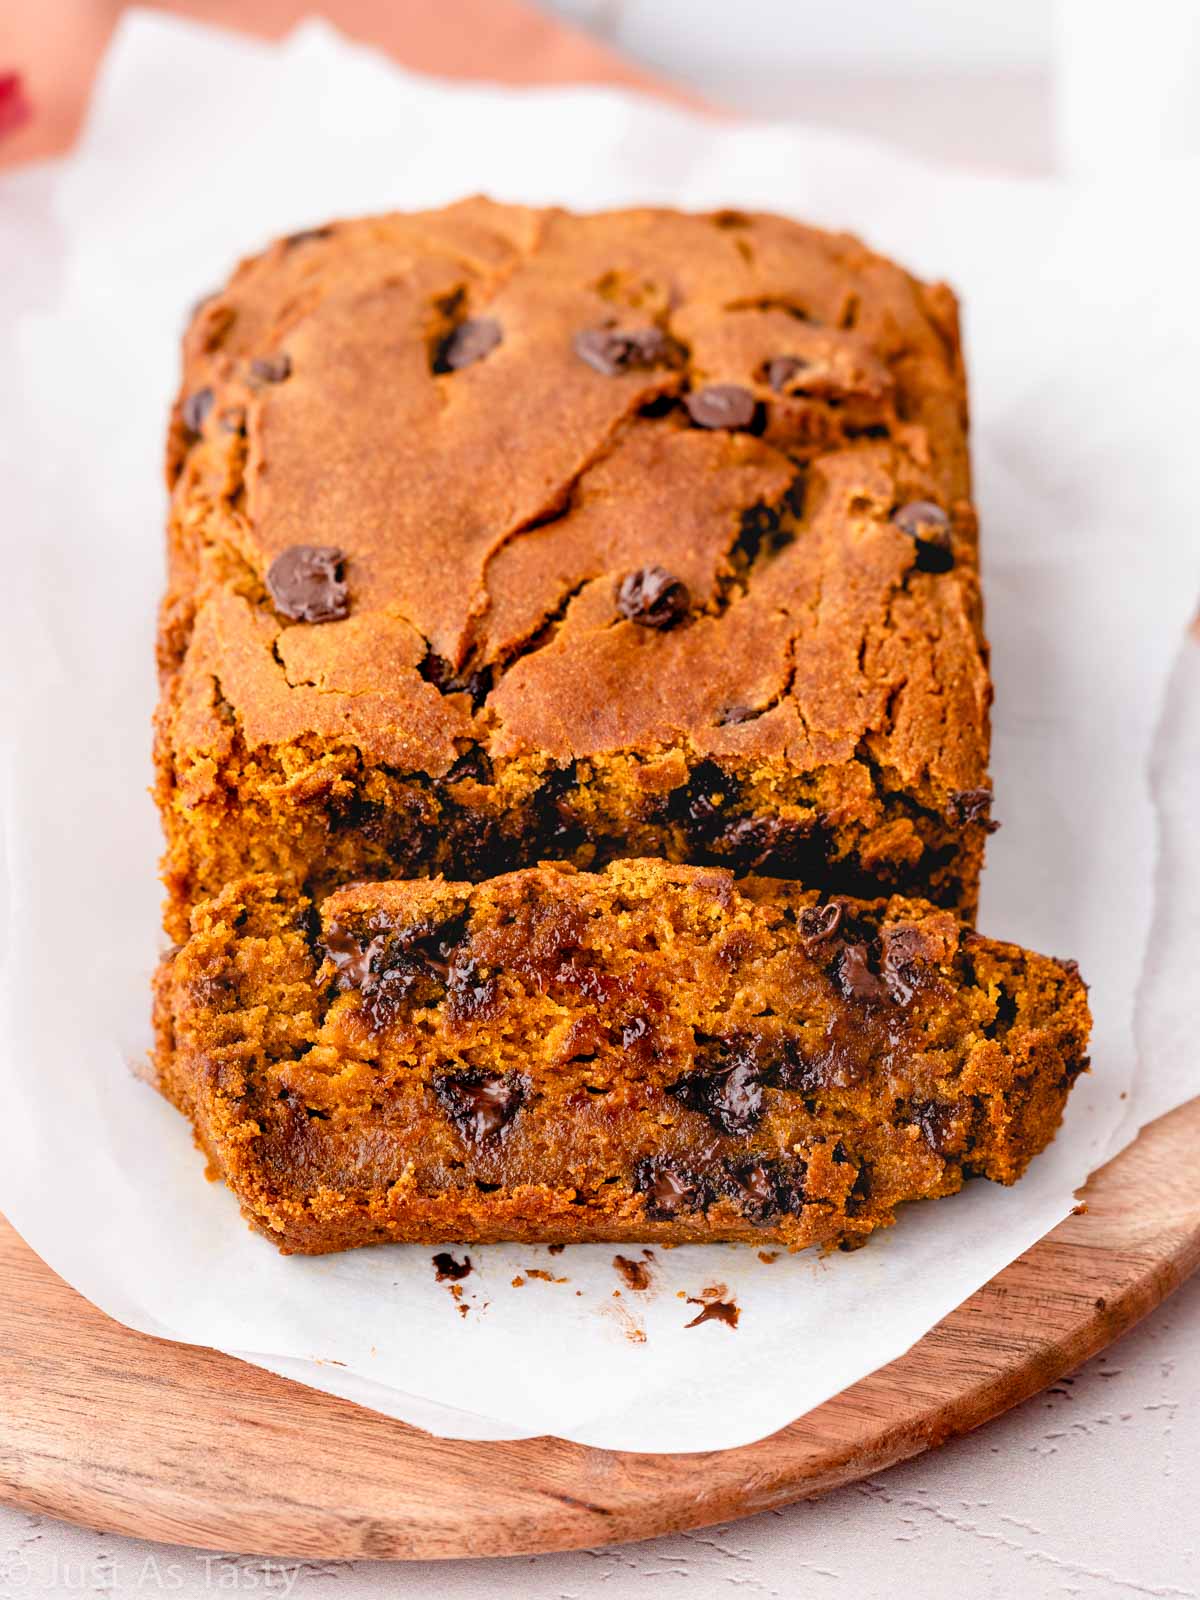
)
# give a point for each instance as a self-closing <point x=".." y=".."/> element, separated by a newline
<point x="1089" y="1490"/>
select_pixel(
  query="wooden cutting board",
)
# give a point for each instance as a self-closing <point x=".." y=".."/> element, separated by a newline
<point x="134" y="1435"/>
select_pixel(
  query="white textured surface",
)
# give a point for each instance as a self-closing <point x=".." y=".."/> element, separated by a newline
<point x="1087" y="1491"/>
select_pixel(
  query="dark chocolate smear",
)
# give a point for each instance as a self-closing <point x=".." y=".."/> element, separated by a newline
<point x="481" y="1104"/>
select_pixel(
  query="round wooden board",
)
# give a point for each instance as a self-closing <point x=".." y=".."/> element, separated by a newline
<point x="172" y="1442"/>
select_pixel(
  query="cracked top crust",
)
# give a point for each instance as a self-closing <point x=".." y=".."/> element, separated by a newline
<point x="490" y="418"/>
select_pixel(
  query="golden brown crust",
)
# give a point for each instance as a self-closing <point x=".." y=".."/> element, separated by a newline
<point x="487" y="512"/>
<point x="652" y="1052"/>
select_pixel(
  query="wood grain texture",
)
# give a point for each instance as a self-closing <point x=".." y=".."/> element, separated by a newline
<point x="134" y="1435"/>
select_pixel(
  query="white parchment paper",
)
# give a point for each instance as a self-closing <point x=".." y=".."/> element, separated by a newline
<point x="1083" y="354"/>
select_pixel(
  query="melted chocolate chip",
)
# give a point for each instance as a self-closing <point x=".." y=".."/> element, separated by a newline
<point x="751" y="843"/>
<point x="437" y="670"/>
<point x="386" y="964"/>
<point x="722" y="405"/>
<point x="817" y="924"/>
<point x="905" y="962"/>
<point x="355" y="963"/>
<point x="653" y="598"/>
<point x="972" y="805"/>
<point x="611" y="351"/>
<point x="636" y="1031"/>
<point x="308" y="925"/>
<point x="481" y="1104"/>
<point x="306" y="583"/>
<point x="855" y="978"/>
<point x="765" y="1189"/>
<point x="781" y="371"/>
<point x="447" y="1270"/>
<point x="558" y="831"/>
<point x="668" y="1187"/>
<point x="474" y="764"/>
<point x="468" y="343"/>
<point x="469" y="996"/>
<point x="701" y="804"/>
<point x="730" y="1094"/>
<point x="929" y="528"/>
<point x="800" y="1073"/>
<point x="195" y="409"/>
<point x="860" y="1192"/>
<point x="271" y="369"/>
<point x="937" y="1125"/>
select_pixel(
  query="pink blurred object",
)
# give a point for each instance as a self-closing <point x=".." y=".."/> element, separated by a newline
<point x="59" y="44"/>
<point x="15" y="109"/>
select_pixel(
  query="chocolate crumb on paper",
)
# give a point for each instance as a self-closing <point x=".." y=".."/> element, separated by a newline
<point x="447" y="1270"/>
<point x="714" y="1307"/>
<point x="635" y="1274"/>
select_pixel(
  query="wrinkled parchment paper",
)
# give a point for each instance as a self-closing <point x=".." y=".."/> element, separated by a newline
<point x="200" y="148"/>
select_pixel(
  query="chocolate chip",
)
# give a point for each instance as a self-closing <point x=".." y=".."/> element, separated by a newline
<point x="929" y="528"/>
<point x="271" y="369"/>
<point x="756" y="1181"/>
<point x="437" y="670"/>
<point x="447" y="1270"/>
<point x="195" y="409"/>
<point x="765" y="1189"/>
<point x="722" y="405"/>
<point x="860" y="1192"/>
<point x="611" y="351"/>
<point x="971" y="805"/>
<point x="855" y="978"/>
<point x="386" y="964"/>
<point x="481" y="1104"/>
<point x="816" y="924"/>
<point x="938" y="1126"/>
<point x="469" y="996"/>
<point x="905" y="962"/>
<point x="730" y="1094"/>
<point x="802" y="1073"/>
<point x="701" y="804"/>
<point x="556" y="827"/>
<point x="634" y="1031"/>
<point x="783" y="369"/>
<point x="668" y="1187"/>
<point x="468" y="343"/>
<point x="354" y="962"/>
<point x="653" y="598"/>
<point x="306" y="583"/>
<point x="474" y="764"/>
<point x="749" y="843"/>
